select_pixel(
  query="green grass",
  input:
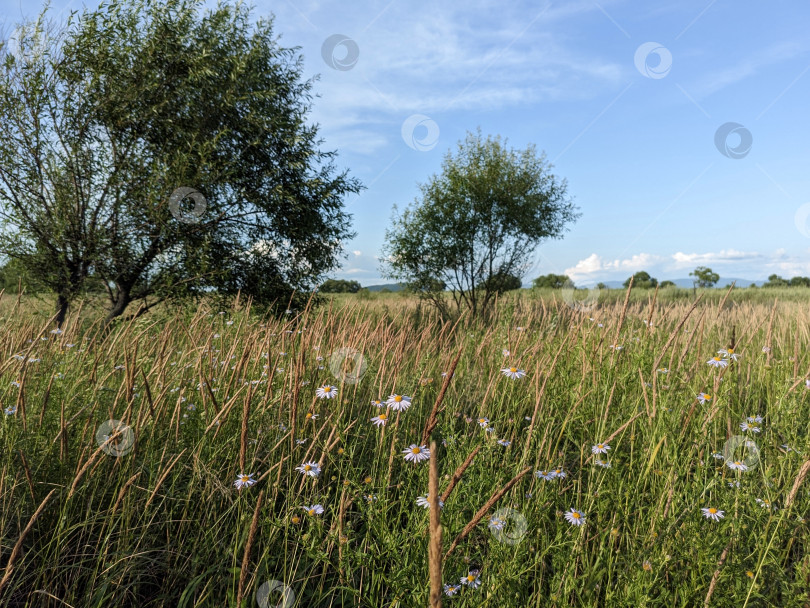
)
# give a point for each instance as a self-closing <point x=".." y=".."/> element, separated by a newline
<point x="163" y="525"/>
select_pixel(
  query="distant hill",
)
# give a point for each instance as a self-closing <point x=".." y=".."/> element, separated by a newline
<point x="389" y="286"/>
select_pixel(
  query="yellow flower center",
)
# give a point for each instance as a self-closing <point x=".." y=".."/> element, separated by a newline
<point x="367" y="480"/>
<point x="575" y="515"/>
<point x="600" y="446"/>
<point x="398" y="398"/>
<point x="416" y="450"/>
<point x="295" y="520"/>
<point x="382" y="417"/>
<point x="470" y="577"/>
<point x="327" y="389"/>
<point x="730" y="351"/>
<point x="311" y="511"/>
<point x="307" y="467"/>
<point x="749" y="574"/>
<point x="245" y="478"/>
<point x="309" y="415"/>
<point x="513" y="369"/>
<point x="717" y="358"/>
<point x="712" y="510"/>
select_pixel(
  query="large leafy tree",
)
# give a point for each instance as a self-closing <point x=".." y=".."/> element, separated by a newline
<point x="481" y="218"/>
<point x="179" y="150"/>
<point x="704" y="277"/>
<point x="641" y="279"/>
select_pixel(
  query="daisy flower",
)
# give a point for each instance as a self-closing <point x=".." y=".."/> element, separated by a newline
<point x="423" y="501"/>
<point x="646" y="566"/>
<point x="9" y="411"/>
<point x="379" y="420"/>
<point x="560" y="474"/>
<point x="504" y="442"/>
<point x="506" y="353"/>
<point x="717" y="456"/>
<point x="717" y="362"/>
<point x="545" y="475"/>
<point x="472" y="579"/>
<point x="764" y="503"/>
<point x="712" y="513"/>
<point x="311" y="416"/>
<point x="309" y="468"/>
<point x="450" y="589"/>
<point x="729" y="354"/>
<point x="244" y="480"/>
<point x="602" y="463"/>
<point x="399" y="402"/>
<point x="496" y="523"/>
<point x="327" y="392"/>
<point x="736" y="465"/>
<point x="575" y="517"/>
<point x="513" y="372"/>
<point x="754" y="419"/>
<point x="313" y="510"/>
<point x="703" y="398"/>
<point x="600" y="448"/>
<point x="750" y="427"/>
<point x="416" y="454"/>
<point x="370" y="497"/>
<point x="376" y="403"/>
<point x="483" y="422"/>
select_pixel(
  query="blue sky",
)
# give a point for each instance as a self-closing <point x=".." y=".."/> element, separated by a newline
<point x="625" y="98"/>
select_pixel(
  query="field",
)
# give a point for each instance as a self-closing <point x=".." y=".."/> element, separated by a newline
<point x="597" y="478"/>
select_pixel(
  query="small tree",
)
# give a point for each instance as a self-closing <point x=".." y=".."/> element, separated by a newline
<point x="800" y="282"/>
<point x="601" y="286"/>
<point x="482" y="217"/>
<point x="551" y="281"/>
<point x="666" y="284"/>
<point x="642" y="279"/>
<point x="339" y="286"/>
<point x="704" y="277"/>
<point x="775" y="281"/>
<point x="504" y="282"/>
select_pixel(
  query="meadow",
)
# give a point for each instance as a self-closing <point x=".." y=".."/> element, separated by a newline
<point x="600" y="455"/>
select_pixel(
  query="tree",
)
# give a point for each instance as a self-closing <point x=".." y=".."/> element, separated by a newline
<point x="552" y="281"/>
<point x="142" y="109"/>
<point x="601" y="286"/>
<point x="775" y="281"/>
<point x="704" y="277"/>
<point x="501" y="283"/>
<point x="800" y="282"/>
<point x="482" y="217"/>
<point x="642" y="279"/>
<point x="663" y="284"/>
<point x="339" y="286"/>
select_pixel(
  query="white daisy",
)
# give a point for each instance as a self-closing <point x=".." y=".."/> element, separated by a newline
<point x="545" y="475"/>
<point x="309" y="468"/>
<point x="423" y="501"/>
<point x="750" y="427"/>
<point x="703" y="398"/>
<point x="313" y="510"/>
<point x="717" y="456"/>
<point x="560" y="474"/>
<point x="736" y="465"/>
<point x="712" y="513"/>
<point x="416" y="454"/>
<point x="472" y="579"/>
<point x="754" y="419"/>
<point x="506" y="353"/>
<point x="602" y="463"/>
<point x="376" y="403"/>
<point x="327" y="392"/>
<point x="450" y="589"/>
<point x="380" y="420"/>
<point x="483" y="422"/>
<point x="496" y="523"/>
<point x="575" y="517"/>
<point x="504" y="442"/>
<point x="600" y="448"/>
<point x="513" y="372"/>
<point x="398" y="402"/>
<point x="244" y="480"/>
<point x="717" y="362"/>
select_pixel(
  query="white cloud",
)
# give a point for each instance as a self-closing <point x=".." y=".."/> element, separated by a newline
<point x="690" y="260"/>
<point x="357" y="252"/>
<point x="594" y="266"/>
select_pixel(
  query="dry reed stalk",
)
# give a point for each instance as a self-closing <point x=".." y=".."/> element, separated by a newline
<point x="91" y="460"/>
<point x="254" y="526"/>
<point x="652" y="309"/>
<point x="459" y="472"/>
<point x="123" y="491"/>
<point x="45" y="399"/>
<point x="15" y="552"/>
<point x="621" y="320"/>
<point x="432" y="420"/>
<point x="716" y="575"/>
<point x="162" y="478"/>
<point x="28" y="477"/>
<point x="725" y="297"/>
<point x="797" y="483"/>
<point x="483" y="510"/>
<point x="644" y="392"/>
<point x="435" y="543"/>
<point x="770" y="332"/>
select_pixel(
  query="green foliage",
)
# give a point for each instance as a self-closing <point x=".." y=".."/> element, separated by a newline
<point x="483" y="216"/>
<point x="704" y="277"/>
<point x="552" y="281"/>
<point x="642" y="280"/>
<point x="800" y="282"/>
<point x="501" y="283"/>
<point x="667" y="284"/>
<point x="137" y="99"/>
<point x="339" y="286"/>
<point x="776" y="281"/>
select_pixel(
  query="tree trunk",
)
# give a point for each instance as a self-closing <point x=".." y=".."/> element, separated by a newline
<point x="62" y="304"/>
<point x="120" y="304"/>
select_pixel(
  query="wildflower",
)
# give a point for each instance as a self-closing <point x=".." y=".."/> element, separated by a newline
<point x="575" y="517"/>
<point x="600" y="448"/>
<point x="545" y="475"/>
<point x="749" y="574"/>
<point x="602" y="463"/>
<point x="736" y="465"/>
<point x="424" y="501"/>
<point x="490" y="429"/>
<point x="379" y="420"/>
<point x="615" y="347"/>
<point x="416" y="454"/>
<point x="367" y="479"/>
<point x="730" y="354"/>
<point x="326" y="392"/>
<point x="766" y="349"/>
<point x="717" y="456"/>
<point x="646" y="566"/>
<point x="311" y="416"/>
<point x="750" y="427"/>
<point x="309" y="468"/>
<point x="398" y="402"/>
<point x="764" y="503"/>
<point x="504" y="442"/>
<point x="376" y="403"/>
<point x="662" y="370"/>
<point x="717" y="362"/>
<point x="712" y="513"/>
<point x="471" y="580"/>
<point x="483" y="422"/>
<point x="313" y="510"/>
<point x="57" y="331"/>
<point x="244" y="480"/>
<point x="301" y="441"/>
<point x="560" y="474"/>
<point x="506" y="353"/>
<point x="496" y="523"/>
<point x="734" y="484"/>
<point x="370" y="497"/>
<point x="295" y="519"/>
<point x="703" y="398"/>
<point x="754" y="419"/>
<point x="450" y="590"/>
<point x="10" y="411"/>
<point x="513" y="372"/>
